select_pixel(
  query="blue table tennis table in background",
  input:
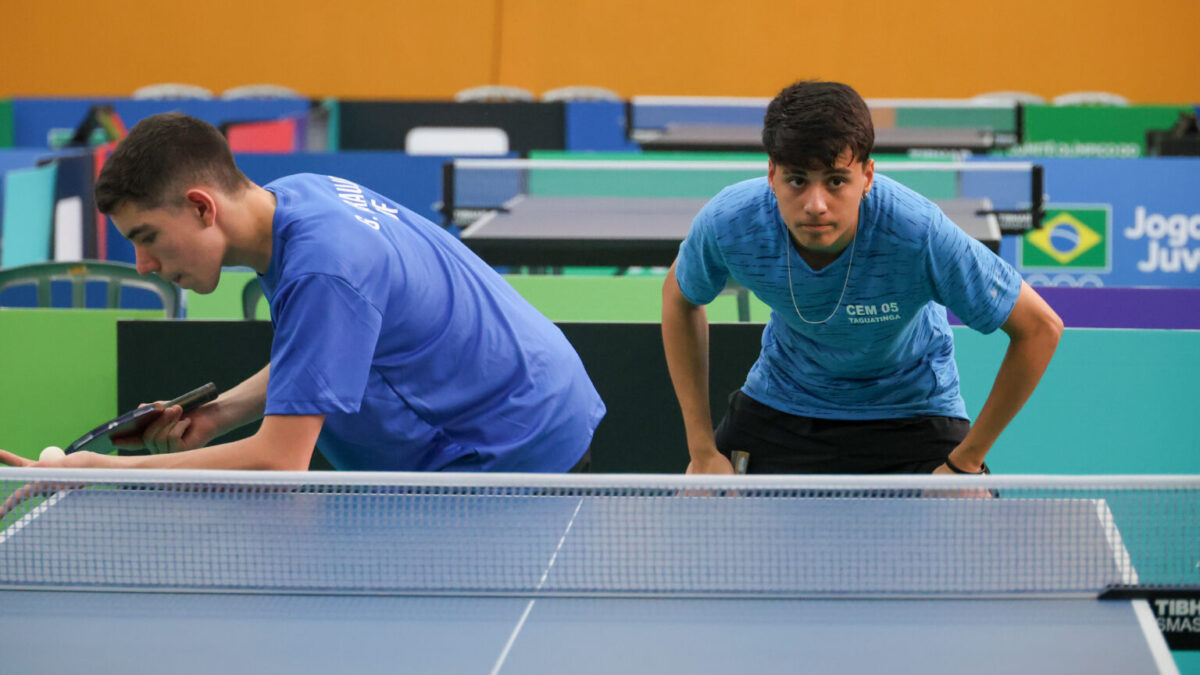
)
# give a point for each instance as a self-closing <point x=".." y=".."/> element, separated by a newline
<point x="733" y="124"/>
<point x="608" y="231"/>
<point x="201" y="572"/>
<point x="559" y="213"/>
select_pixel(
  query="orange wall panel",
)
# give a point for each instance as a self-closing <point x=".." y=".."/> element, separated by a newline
<point x="348" y="48"/>
<point x="431" y="49"/>
<point x="932" y="48"/>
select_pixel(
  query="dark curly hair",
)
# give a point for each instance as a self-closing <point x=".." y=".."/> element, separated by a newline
<point x="811" y="123"/>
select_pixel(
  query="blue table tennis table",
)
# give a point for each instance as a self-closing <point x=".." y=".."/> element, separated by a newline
<point x="559" y="213"/>
<point x="275" y="579"/>
<point x="607" y="231"/>
<point x="732" y="124"/>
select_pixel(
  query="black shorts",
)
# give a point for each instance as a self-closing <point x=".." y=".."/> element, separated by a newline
<point x="782" y="443"/>
<point x="584" y="465"/>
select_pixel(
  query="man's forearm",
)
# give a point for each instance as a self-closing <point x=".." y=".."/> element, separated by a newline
<point x="283" y="443"/>
<point x="1024" y="363"/>
<point x="685" y="342"/>
<point x="245" y="402"/>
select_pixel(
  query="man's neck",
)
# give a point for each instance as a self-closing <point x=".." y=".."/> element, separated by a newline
<point x="817" y="260"/>
<point x="250" y="229"/>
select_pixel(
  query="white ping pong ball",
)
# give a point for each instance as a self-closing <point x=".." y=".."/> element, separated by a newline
<point x="51" y="452"/>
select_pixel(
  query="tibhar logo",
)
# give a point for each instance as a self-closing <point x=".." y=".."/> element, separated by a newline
<point x="1071" y="237"/>
<point x="1168" y="238"/>
<point x="1178" y="616"/>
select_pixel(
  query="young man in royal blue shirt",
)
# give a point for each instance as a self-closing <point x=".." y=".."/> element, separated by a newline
<point x="395" y="347"/>
<point x="856" y="373"/>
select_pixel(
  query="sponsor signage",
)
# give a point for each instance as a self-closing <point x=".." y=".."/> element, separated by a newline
<point x="1128" y="223"/>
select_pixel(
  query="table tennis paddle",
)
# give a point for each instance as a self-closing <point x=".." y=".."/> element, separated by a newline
<point x="134" y="422"/>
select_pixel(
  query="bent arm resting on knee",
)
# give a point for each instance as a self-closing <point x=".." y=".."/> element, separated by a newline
<point x="1033" y="329"/>
<point x="685" y="342"/>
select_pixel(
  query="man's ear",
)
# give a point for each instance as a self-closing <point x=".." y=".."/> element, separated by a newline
<point x="869" y="172"/>
<point x="203" y="203"/>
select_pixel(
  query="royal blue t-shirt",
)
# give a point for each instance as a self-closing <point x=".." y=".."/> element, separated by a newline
<point x="420" y="356"/>
<point x="887" y="351"/>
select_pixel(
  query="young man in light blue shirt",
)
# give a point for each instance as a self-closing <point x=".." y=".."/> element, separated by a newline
<point x="856" y="373"/>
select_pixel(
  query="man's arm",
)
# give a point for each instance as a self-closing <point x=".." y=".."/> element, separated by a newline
<point x="685" y="342"/>
<point x="1033" y="329"/>
<point x="283" y="443"/>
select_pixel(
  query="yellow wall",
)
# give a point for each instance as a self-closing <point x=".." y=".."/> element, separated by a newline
<point x="432" y="48"/>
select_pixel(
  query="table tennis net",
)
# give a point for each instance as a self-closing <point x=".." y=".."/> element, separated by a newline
<point x="474" y="187"/>
<point x="596" y="535"/>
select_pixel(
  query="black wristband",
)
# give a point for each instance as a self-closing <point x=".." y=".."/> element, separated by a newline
<point x="955" y="469"/>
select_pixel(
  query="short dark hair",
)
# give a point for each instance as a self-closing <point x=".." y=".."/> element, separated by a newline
<point x="813" y="122"/>
<point x="159" y="155"/>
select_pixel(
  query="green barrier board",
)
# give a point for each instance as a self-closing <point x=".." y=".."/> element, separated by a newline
<point x="692" y="184"/>
<point x="6" y="124"/>
<point x="616" y="299"/>
<point x="60" y="374"/>
<point x="225" y="302"/>
<point x="997" y="119"/>
<point x="1092" y="131"/>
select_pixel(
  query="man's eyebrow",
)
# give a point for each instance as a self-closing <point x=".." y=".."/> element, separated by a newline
<point x="137" y="232"/>
<point x="837" y="170"/>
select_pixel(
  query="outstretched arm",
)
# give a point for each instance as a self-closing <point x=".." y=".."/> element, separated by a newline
<point x="282" y="443"/>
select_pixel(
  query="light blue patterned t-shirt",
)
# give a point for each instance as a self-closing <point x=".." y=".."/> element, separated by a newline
<point x="887" y="351"/>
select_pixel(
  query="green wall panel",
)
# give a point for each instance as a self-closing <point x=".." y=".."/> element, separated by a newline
<point x="59" y="370"/>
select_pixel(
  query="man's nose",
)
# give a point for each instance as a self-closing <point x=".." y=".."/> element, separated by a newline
<point x="815" y="202"/>
<point x="146" y="263"/>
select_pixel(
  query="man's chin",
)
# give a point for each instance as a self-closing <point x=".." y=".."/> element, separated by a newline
<point x="818" y="241"/>
<point x="196" y="286"/>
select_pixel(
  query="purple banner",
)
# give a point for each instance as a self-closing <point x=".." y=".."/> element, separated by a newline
<point x="1164" y="308"/>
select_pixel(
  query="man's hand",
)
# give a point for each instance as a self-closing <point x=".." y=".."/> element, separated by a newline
<point x="974" y="493"/>
<point x="173" y="431"/>
<point x="709" y="462"/>
<point x="11" y="459"/>
<point x="961" y="456"/>
<point x="75" y="460"/>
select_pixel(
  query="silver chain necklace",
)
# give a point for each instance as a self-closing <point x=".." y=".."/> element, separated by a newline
<point x="787" y="255"/>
